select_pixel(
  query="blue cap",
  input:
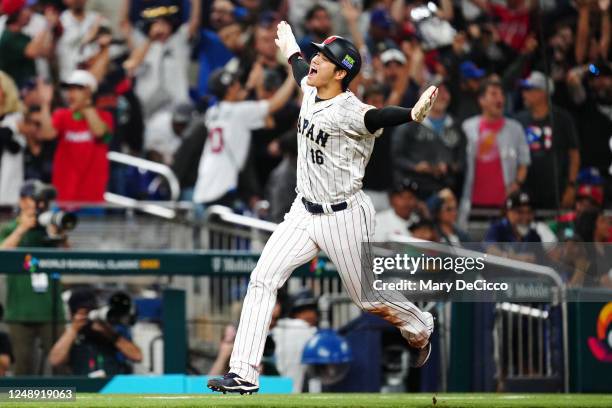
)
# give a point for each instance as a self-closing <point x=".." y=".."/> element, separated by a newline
<point x="381" y="18"/>
<point x="589" y="175"/>
<point x="469" y="70"/>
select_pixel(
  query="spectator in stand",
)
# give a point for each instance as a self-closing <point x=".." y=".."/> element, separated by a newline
<point x="80" y="165"/>
<point x="132" y="15"/>
<point x="229" y="125"/>
<point x="514" y="17"/>
<point x="280" y="189"/>
<point x="404" y="201"/>
<point x="291" y="335"/>
<point x="497" y="154"/>
<point x="553" y="146"/>
<point x="160" y="61"/>
<point x="378" y="177"/>
<point x="593" y="227"/>
<point x="186" y="159"/>
<point x="588" y="197"/>
<point x="6" y="350"/>
<point x="318" y="26"/>
<point x="431" y="153"/>
<point x="12" y="141"/>
<point x="588" y="47"/>
<point x="165" y="130"/>
<point x="265" y="144"/>
<point x="433" y="22"/>
<point x="265" y="48"/>
<point x="18" y="51"/>
<point x="400" y="87"/>
<point x="77" y="23"/>
<point x="509" y="236"/>
<point x="379" y="36"/>
<point x="90" y="347"/>
<point x="32" y="305"/>
<point x="212" y="53"/>
<point x="444" y="209"/>
<point x="593" y="112"/>
<point x="38" y="154"/>
<point x="465" y="103"/>
<point x="422" y="227"/>
<point x="31" y="91"/>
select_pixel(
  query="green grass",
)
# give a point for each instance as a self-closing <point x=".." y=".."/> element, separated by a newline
<point x="333" y="400"/>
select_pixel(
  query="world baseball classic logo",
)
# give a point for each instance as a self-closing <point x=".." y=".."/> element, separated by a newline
<point x="30" y="263"/>
<point x="601" y="345"/>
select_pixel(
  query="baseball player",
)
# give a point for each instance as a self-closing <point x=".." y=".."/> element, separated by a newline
<point x="336" y="134"/>
<point x="229" y="124"/>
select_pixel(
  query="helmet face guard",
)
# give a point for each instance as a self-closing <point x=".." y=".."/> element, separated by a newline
<point x="343" y="54"/>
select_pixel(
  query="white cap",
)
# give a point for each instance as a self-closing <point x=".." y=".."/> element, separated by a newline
<point x="82" y="78"/>
<point x="537" y="80"/>
<point x="393" y="54"/>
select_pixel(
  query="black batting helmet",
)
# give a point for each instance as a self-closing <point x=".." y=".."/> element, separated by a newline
<point x="219" y="81"/>
<point x="344" y="54"/>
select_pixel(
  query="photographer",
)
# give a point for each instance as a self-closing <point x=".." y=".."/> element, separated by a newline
<point x="6" y="350"/>
<point x="30" y="298"/>
<point x="91" y="346"/>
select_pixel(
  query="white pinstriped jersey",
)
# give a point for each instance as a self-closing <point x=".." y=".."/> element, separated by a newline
<point x="334" y="146"/>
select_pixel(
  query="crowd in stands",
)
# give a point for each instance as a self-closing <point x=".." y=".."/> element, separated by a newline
<point x="524" y="104"/>
<point x="522" y="123"/>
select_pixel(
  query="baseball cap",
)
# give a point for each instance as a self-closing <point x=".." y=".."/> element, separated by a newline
<point x="469" y="70"/>
<point x="267" y="18"/>
<point x="517" y="199"/>
<point x="28" y="86"/>
<point x="419" y="220"/>
<point x="183" y="112"/>
<point x="82" y="78"/>
<point x="537" y="80"/>
<point x="219" y="81"/>
<point x="405" y="185"/>
<point x="594" y="193"/>
<point x="391" y="55"/>
<point x="304" y="299"/>
<point x="272" y="80"/>
<point x="9" y="7"/>
<point x="37" y="190"/>
<point x="589" y="175"/>
<point x="159" y="11"/>
<point x="82" y="299"/>
<point x="381" y="18"/>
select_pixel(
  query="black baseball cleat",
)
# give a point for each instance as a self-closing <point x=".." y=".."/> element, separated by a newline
<point x="418" y="357"/>
<point x="231" y="382"/>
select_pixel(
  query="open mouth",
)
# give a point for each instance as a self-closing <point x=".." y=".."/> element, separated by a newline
<point x="312" y="72"/>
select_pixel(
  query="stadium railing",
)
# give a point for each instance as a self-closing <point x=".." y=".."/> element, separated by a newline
<point x="524" y="343"/>
<point x="211" y="301"/>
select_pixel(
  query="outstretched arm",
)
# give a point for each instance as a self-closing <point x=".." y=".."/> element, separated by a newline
<point x="396" y="115"/>
<point x="291" y="50"/>
<point x="282" y="96"/>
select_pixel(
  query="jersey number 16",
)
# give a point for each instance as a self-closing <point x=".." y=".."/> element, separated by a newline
<point x="317" y="156"/>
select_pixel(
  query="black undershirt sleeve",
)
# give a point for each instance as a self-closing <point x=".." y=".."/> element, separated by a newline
<point x="300" y="67"/>
<point x="374" y="118"/>
<point x="384" y="117"/>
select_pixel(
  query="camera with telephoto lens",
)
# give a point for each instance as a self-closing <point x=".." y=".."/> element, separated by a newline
<point x="44" y="193"/>
<point x="64" y="221"/>
<point x="118" y="311"/>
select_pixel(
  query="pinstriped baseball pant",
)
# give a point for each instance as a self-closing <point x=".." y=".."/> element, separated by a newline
<point x="297" y="240"/>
